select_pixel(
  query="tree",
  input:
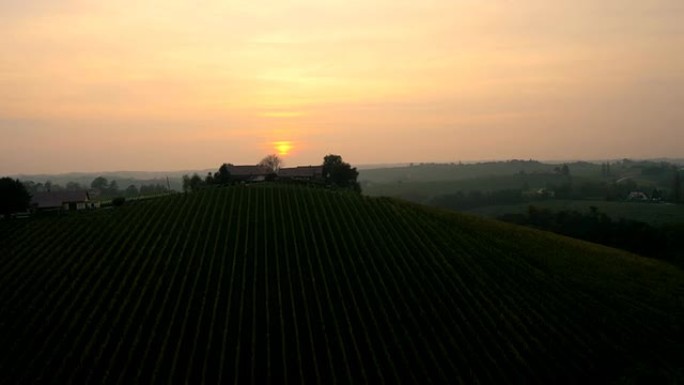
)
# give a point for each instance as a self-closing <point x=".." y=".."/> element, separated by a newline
<point x="656" y="195"/>
<point x="196" y="182"/>
<point x="338" y="173"/>
<point x="271" y="162"/>
<point x="154" y="189"/>
<point x="131" y="191"/>
<point x="209" y="179"/>
<point x="100" y="183"/>
<point x="14" y="197"/>
<point x="49" y="186"/>
<point x="30" y="186"/>
<point x="331" y="161"/>
<point x="676" y="186"/>
<point x="565" y="170"/>
<point x="73" y="186"/>
<point x="186" y="183"/>
<point x="222" y="176"/>
<point x="113" y="188"/>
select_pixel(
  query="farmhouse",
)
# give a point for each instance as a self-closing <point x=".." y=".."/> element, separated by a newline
<point x="248" y="173"/>
<point x="305" y="173"/>
<point x="62" y="200"/>
<point x="637" y="196"/>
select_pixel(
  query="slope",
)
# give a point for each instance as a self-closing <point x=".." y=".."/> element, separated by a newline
<point x="288" y="284"/>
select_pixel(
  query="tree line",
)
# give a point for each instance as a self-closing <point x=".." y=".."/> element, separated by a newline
<point x="104" y="188"/>
<point x="662" y="242"/>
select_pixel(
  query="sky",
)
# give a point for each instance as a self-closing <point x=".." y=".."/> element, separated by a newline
<point x="180" y="85"/>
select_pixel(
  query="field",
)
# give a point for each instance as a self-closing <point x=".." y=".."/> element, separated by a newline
<point x="423" y="192"/>
<point x="453" y="171"/>
<point x="646" y="172"/>
<point x="652" y="213"/>
<point x="424" y="183"/>
<point x="288" y="284"/>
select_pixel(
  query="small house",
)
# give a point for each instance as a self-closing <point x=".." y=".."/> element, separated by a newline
<point x="62" y="200"/>
<point x="637" y="196"/>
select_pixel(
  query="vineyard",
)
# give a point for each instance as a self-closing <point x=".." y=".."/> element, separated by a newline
<point x="290" y="284"/>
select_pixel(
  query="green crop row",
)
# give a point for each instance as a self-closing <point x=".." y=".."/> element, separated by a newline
<point x="293" y="284"/>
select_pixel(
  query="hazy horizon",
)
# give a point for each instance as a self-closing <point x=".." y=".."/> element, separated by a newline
<point x="363" y="166"/>
<point x="173" y="86"/>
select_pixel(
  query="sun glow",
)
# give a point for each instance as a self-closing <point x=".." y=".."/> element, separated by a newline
<point x="283" y="148"/>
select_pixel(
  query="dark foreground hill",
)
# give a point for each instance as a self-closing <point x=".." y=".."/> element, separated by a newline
<point x="275" y="284"/>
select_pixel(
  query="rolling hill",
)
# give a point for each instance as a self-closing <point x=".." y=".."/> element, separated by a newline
<point x="290" y="284"/>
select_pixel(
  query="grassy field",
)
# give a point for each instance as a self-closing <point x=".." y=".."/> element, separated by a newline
<point x="423" y="192"/>
<point x="457" y="171"/>
<point x="285" y="284"/>
<point x="423" y="182"/>
<point x="651" y="213"/>
<point x="432" y="172"/>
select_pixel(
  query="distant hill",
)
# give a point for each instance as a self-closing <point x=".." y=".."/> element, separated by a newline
<point x="290" y="284"/>
<point x="433" y="172"/>
<point x="429" y="183"/>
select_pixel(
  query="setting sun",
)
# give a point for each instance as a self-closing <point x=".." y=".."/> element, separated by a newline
<point x="283" y="147"/>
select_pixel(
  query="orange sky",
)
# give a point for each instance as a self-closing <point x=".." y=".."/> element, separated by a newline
<point x="163" y="85"/>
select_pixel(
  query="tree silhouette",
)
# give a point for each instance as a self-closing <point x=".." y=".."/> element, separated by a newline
<point x="13" y="196"/>
<point x="271" y="162"/>
<point x="676" y="186"/>
<point x="222" y="176"/>
<point x="132" y="191"/>
<point x="196" y="182"/>
<point x="113" y="188"/>
<point x="192" y="183"/>
<point x="338" y="173"/>
<point x="100" y="183"/>
<point x="565" y="170"/>
<point x="186" y="183"/>
<point x="73" y="186"/>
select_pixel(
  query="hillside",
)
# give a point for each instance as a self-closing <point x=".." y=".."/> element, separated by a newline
<point x="286" y="284"/>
